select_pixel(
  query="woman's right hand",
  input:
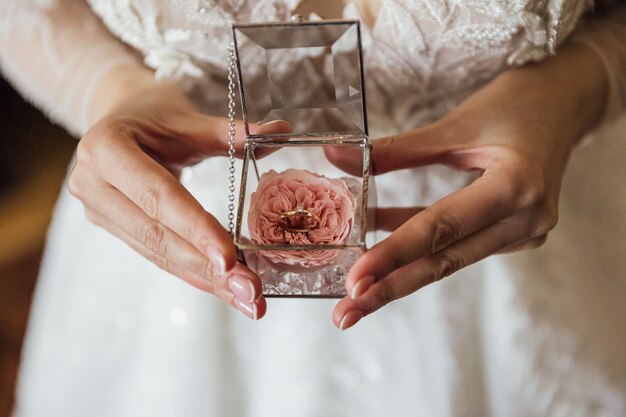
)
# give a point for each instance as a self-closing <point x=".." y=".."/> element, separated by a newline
<point x="126" y="176"/>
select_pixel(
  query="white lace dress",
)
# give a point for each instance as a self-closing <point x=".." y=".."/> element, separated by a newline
<point x="538" y="333"/>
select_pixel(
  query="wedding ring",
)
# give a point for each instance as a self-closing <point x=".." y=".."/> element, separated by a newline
<point x="299" y="220"/>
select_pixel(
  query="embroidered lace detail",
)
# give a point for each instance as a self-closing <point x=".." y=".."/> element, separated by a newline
<point x="440" y="51"/>
<point x="437" y="52"/>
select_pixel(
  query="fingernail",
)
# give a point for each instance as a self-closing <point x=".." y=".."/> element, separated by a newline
<point x="242" y="287"/>
<point x="217" y="259"/>
<point x="350" y="319"/>
<point x="271" y="122"/>
<point x="362" y="286"/>
<point x="249" y="309"/>
<point x="278" y="121"/>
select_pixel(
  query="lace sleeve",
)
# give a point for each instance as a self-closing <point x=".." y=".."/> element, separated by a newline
<point x="606" y="36"/>
<point x="54" y="52"/>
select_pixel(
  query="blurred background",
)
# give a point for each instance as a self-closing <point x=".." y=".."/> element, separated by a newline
<point x="34" y="157"/>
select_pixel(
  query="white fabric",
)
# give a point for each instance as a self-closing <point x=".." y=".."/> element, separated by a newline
<point x="55" y="52"/>
<point x="534" y="334"/>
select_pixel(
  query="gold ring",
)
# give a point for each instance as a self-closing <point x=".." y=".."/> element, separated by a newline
<point x="298" y="221"/>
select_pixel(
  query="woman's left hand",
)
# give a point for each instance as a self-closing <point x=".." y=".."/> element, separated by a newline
<point x="518" y="133"/>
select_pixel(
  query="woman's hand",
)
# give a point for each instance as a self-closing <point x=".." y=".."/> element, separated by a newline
<point x="126" y="177"/>
<point x="518" y="133"/>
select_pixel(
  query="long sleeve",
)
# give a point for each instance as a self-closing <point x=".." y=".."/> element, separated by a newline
<point x="606" y="35"/>
<point x="55" y="52"/>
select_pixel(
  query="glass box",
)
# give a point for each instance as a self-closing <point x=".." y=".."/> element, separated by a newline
<point x="306" y="198"/>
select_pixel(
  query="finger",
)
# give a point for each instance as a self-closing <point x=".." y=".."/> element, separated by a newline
<point x="390" y="218"/>
<point x="165" y="248"/>
<point x="240" y="288"/>
<point x="526" y="245"/>
<point x="405" y="150"/>
<point x="347" y="158"/>
<point x="214" y="133"/>
<point x="159" y="194"/>
<point x="412" y="277"/>
<point x="410" y="149"/>
<point x="254" y="310"/>
<point x="173" y="266"/>
<point x="482" y="203"/>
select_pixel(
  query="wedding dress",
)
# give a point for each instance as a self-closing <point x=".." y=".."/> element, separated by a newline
<point x="537" y="333"/>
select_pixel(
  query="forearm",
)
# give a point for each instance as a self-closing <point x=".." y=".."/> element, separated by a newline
<point x="585" y="83"/>
<point x="605" y="35"/>
<point x="117" y="87"/>
<point x="555" y="102"/>
<point x="562" y="98"/>
<point x="58" y="56"/>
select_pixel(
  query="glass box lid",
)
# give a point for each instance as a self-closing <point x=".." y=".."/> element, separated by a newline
<point x="309" y="74"/>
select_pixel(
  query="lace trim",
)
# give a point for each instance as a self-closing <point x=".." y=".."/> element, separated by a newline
<point x="454" y="45"/>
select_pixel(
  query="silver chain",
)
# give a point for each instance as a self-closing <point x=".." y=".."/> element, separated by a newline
<point x="231" y="137"/>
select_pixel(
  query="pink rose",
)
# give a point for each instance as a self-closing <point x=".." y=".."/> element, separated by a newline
<point x="329" y="215"/>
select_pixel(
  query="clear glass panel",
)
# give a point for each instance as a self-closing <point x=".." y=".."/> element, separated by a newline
<point x="302" y="221"/>
<point x="308" y="74"/>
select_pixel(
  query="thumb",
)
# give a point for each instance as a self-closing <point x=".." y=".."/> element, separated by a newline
<point x="347" y="159"/>
<point x="423" y="146"/>
<point x="405" y="150"/>
<point x="217" y="133"/>
<point x="275" y="127"/>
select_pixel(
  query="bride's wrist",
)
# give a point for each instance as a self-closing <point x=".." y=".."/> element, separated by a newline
<point x="565" y="94"/>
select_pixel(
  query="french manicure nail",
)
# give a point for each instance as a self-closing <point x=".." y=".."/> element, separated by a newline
<point x="249" y="309"/>
<point x="260" y="123"/>
<point x="362" y="286"/>
<point x="350" y="319"/>
<point x="242" y="287"/>
<point x="217" y="259"/>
